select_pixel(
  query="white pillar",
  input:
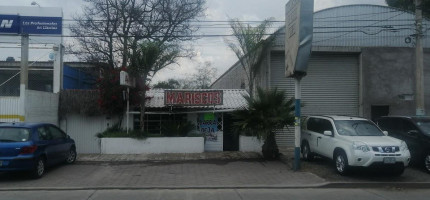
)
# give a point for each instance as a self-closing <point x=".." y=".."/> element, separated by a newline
<point x="58" y="68"/>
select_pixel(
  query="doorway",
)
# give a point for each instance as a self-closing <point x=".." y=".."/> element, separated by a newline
<point x="231" y="140"/>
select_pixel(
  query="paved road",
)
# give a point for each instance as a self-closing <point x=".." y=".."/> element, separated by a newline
<point x="324" y="168"/>
<point x="225" y="194"/>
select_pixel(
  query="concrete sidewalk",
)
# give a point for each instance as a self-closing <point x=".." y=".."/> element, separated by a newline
<point x="168" y="157"/>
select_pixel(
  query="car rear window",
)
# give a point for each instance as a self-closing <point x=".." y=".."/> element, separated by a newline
<point x="8" y="134"/>
<point x="424" y="125"/>
<point x="357" y="128"/>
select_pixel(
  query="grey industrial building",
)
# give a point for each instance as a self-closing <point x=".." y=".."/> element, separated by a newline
<point x="362" y="64"/>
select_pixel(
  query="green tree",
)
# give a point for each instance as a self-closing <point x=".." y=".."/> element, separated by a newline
<point x="250" y="47"/>
<point x="169" y="84"/>
<point x="267" y="112"/>
<point x="146" y="60"/>
<point x="410" y="5"/>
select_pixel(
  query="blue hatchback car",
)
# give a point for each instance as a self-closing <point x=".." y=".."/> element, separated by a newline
<point x="33" y="147"/>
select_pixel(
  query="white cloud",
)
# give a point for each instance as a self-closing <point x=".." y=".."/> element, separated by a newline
<point x="211" y="49"/>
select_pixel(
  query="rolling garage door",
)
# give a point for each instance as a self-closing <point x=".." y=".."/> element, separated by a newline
<point x="330" y="87"/>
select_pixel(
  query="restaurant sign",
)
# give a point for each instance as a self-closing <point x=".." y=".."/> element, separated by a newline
<point x="193" y="98"/>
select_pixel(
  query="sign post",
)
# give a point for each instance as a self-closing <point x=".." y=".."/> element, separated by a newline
<point x="126" y="80"/>
<point x="298" y="47"/>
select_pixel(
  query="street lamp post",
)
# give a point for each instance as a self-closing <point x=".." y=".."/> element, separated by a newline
<point x="419" y="62"/>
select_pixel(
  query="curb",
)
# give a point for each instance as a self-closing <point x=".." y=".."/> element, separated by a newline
<point x="379" y="185"/>
<point x="327" y="185"/>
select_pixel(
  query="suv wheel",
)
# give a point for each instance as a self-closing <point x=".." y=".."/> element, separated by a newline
<point x="306" y="152"/>
<point x="341" y="163"/>
<point x="427" y="162"/>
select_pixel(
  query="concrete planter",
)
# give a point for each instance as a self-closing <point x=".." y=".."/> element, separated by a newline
<point x="152" y="145"/>
<point x="250" y="144"/>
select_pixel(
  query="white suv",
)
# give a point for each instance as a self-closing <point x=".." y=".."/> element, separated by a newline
<point x="352" y="142"/>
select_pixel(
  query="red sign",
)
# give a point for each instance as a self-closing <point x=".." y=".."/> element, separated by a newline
<point x="193" y="98"/>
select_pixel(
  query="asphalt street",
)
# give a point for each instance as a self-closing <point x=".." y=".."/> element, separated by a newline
<point x="225" y="194"/>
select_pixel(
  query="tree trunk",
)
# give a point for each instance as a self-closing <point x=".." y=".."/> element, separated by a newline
<point x="142" y="104"/>
<point x="270" y="148"/>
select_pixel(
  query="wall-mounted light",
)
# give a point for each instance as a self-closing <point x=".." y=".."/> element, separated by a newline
<point x="34" y="3"/>
<point x="406" y="97"/>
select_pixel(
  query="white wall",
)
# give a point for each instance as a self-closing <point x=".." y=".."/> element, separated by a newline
<point x="152" y="145"/>
<point x="41" y="107"/>
<point x="83" y="130"/>
<point x="215" y="145"/>
<point x="10" y="109"/>
<point x="250" y="144"/>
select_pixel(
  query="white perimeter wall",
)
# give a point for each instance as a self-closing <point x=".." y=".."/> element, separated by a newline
<point x="152" y="145"/>
<point x="83" y="129"/>
<point x="41" y="107"/>
<point x="250" y="144"/>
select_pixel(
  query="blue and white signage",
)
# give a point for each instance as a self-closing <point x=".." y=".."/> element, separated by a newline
<point x="15" y="24"/>
<point x="9" y="24"/>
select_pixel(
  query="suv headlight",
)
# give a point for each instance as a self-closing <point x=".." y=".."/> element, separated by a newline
<point x="361" y="146"/>
<point x="403" y="146"/>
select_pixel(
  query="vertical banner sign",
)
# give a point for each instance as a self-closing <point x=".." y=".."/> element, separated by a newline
<point x="298" y="36"/>
<point x="207" y="124"/>
<point x="298" y="47"/>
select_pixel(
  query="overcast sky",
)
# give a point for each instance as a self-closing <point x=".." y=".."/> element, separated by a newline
<point x="211" y="49"/>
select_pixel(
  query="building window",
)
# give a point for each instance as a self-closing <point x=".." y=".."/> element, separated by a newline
<point x="154" y="122"/>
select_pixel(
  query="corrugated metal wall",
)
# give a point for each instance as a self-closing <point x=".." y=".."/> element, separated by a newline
<point x="331" y="87"/>
<point x="234" y="78"/>
<point x="41" y="107"/>
<point x="83" y="130"/>
<point x="363" y="26"/>
<point x="10" y="109"/>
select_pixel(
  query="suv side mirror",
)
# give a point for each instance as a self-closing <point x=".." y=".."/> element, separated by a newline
<point x="328" y="133"/>
<point x="413" y="133"/>
<point x="385" y="133"/>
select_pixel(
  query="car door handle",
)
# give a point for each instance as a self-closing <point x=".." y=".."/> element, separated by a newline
<point x="319" y="137"/>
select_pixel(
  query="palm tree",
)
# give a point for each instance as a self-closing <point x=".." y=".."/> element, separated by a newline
<point x="250" y="45"/>
<point x="268" y="111"/>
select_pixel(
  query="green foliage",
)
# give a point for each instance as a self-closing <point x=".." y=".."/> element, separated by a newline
<point x="410" y="6"/>
<point x="177" y="128"/>
<point x="110" y="92"/>
<point x="151" y="56"/>
<point x="169" y="84"/>
<point x="79" y="101"/>
<point x="169" y="129"/>
<point x="268" y="111"/>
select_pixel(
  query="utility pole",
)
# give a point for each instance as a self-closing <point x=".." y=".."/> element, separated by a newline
<point x="419" y="62"/>
<point x="24" y="63"/>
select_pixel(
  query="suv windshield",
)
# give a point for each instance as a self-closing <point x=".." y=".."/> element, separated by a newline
<point x="357" y="128"/>
<point x="14" y="134"/>
<point x="424" y="125"/>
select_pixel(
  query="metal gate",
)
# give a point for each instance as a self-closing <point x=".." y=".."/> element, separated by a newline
<point x="331" y="87"/>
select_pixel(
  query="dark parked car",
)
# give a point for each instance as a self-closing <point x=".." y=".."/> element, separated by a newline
<point x="33" y="147"/>
<point x="415" y="131"/>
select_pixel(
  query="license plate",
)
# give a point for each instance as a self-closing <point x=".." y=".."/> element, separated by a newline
<point x="389" y="160"/>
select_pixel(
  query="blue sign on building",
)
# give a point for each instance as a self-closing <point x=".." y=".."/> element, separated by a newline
<point x="9" y="23"/>
<point x="16" y="24"/>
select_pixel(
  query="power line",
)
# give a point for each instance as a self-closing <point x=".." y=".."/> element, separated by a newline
<point x="356" y="29"/>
